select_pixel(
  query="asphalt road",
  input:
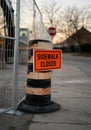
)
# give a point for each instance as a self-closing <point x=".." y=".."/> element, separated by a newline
<point x="83" y="63"/>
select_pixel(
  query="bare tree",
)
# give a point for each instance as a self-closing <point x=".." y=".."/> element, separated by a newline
<point x="51" y="13"/>
<point x="74" y="19"/>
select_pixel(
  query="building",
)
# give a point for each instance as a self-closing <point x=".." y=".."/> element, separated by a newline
<point x="81" y="39"/>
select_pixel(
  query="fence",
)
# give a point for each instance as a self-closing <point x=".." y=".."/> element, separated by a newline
<point x="16" y="29"/>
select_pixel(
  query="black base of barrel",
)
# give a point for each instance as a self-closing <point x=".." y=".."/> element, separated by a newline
<point x="30" y="108"/>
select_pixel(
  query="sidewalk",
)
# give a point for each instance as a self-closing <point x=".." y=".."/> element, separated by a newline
<point x="71" y="88"/>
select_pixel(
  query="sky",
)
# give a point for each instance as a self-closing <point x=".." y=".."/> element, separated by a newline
<point x="64" y="3"/>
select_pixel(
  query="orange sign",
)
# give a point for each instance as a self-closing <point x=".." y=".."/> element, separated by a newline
<point x="47" y="60"/>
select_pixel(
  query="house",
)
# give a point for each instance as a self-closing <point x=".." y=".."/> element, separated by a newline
<point x="82" y="38"/>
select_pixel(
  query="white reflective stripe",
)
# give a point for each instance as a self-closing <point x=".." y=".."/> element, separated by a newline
<point x="39" y="75"/>
<point x="38" y="91"/>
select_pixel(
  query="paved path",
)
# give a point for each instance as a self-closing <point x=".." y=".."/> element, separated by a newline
<point x="71" y="88"/>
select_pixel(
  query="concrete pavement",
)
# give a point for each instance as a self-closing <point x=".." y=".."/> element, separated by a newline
<point x="71" y="88"/>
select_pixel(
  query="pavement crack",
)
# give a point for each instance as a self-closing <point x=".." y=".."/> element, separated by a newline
<point x="66" y="123"/>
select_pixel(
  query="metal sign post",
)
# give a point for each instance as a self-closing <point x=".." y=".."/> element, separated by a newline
<point x="16" y="55"/>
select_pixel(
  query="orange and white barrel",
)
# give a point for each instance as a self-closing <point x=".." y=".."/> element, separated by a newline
<point x="38" y="88"/>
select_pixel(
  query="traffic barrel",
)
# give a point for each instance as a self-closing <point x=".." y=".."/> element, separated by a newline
<point x="38" y="89"/>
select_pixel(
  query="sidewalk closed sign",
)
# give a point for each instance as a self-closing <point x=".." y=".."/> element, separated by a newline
<point x="47" y="60"/>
